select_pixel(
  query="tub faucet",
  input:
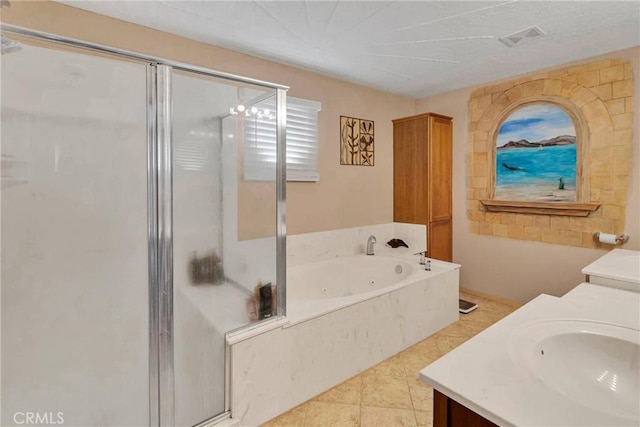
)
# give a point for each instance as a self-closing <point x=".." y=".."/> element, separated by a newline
<point x="370" y="242"/>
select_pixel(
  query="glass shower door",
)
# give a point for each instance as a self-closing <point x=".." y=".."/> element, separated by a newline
<point x="223" y="235"/>
<point x="75" y="346"/>
<point x="142" y="220"/>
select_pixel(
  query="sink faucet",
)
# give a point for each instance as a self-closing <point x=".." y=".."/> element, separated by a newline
<point x="370" y="242"/>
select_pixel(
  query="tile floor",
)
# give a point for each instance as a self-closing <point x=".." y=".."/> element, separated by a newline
<point x="390" y="393"/>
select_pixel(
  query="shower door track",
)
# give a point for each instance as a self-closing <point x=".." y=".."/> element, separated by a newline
<point x="159" y="207"/>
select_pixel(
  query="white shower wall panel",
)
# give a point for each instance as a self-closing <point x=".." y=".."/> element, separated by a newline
<point x="74" y="239"/>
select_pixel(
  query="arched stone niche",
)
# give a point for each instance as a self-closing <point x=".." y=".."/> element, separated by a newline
<point x="598" y="99"/>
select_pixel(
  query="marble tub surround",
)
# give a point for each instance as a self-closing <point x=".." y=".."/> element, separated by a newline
<point x="326" y="340"/>
<point x="281" y="368"/>
<point x="487" y="375"/>
<point x="390" y="393"/>
<point x="322" y="245"/>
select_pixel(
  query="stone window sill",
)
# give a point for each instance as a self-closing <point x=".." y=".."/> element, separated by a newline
<point x="540" y="208"/>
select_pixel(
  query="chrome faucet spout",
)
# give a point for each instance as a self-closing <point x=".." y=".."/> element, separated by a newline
<point x="370" y="242"/>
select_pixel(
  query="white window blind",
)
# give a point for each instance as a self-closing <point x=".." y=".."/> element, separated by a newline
<point x="302" y="140"/>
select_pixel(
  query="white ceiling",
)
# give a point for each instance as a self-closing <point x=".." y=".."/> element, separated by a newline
<point x="412" y="48"/>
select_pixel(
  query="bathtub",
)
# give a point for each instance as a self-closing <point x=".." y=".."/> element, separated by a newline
<point x="317" y="288"/>
<point x="347" y="276"/>
<point x="344" y="315"/>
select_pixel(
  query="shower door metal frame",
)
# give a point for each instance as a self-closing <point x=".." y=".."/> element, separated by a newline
<point x="152" y="242"/>
<point x="160" y="208"/>
<point x="164" y="119"/>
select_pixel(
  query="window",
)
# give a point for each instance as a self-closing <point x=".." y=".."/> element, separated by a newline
<point x="302" y="140"/>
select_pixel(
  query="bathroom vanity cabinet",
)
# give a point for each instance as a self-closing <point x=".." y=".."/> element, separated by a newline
<point x="449" y="413"/>
<point x="422" y="178"/>
<point x="534" y="367"/>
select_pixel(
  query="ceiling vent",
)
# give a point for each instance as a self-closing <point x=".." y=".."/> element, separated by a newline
<point x="520" y="37"/>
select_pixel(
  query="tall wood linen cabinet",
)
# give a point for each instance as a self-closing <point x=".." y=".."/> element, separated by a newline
<point x="422" y="178"/>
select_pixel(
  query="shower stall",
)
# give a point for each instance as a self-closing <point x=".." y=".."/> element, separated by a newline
<point x="136" y="232"/>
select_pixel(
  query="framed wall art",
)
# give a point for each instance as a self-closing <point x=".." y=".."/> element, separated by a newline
<point x="356" y="141"/>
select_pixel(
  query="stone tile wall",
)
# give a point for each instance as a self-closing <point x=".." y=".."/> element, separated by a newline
<point x="599" y="95"/>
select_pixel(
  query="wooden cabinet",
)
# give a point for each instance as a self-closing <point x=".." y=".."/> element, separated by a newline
<point x="422" y="178"/>
<point x="449" y="413"/>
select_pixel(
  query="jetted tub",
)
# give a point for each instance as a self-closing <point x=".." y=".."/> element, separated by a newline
<point x="321" y="287"/>
<point x="345" y="312"/>
<point x="344" y="315"/>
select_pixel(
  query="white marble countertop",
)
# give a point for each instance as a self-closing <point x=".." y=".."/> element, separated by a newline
<point x="483" y="375"/>
<point x="619" y="264"/>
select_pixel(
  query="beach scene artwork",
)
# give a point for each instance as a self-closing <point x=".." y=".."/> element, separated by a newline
<point x="536" y="155"/>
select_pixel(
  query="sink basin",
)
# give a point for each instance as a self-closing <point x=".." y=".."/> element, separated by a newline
<point x="596" y="365"/>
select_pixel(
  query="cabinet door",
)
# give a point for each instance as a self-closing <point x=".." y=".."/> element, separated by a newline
<point x="440" y="158"/>
<point x="410" y="191"/>
<point x="449" y="413"/>
<point x="439" y="235"/>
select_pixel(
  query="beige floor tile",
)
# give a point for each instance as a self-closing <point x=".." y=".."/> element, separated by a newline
<point x="475" y="322"/>
<point x="386" y="391"/>
<point x="478" y="317"/>
<point x="446" y="343"/>
<point x="413" y="366"/>
<point x="393" y="367"/>
<point x="424" y="418"/>
<point x="293" y="418"/>
<point x="472" y="298"/>
<point x="454" y="329"/>
<point x="497" y="311"/>
<point x="420" y="355"/>
<point x="323" y="414"/>
<point x="505" y="312"/>
<point x="348" y="392"/>
<point x="390" y="394"/>
<point x="387" y="417"/>
<point x="427" y="346"/>
<point x="421" y="395"/>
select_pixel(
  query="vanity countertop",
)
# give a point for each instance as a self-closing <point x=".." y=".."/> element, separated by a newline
<point x="619" y="264"/>
<point x="487" y="374"/>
